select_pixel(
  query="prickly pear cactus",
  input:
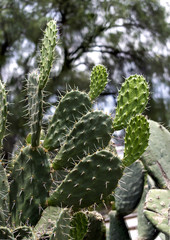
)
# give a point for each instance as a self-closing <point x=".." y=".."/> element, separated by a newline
<point x="90" y="133"/>
<point x="96" y="226"/>
<point x="91" y="180"/>
<point x="136" y="139"/>
<point x="146" y="230"/>
<point x="73" y="148"/>
<point x="157" y="209"/>
<point x="70" y="109"/>
<point x="47" y="53"/>
<point x="128" y="193"/>
<point x="132" y="100"/>
<point x="98" y="81"/>
<point x="4" y="196"/>
<point x="30" y="185"/>
<point x="79" y="226"/>
<point x="158" y="152"/>
<point x="117" y="228"/>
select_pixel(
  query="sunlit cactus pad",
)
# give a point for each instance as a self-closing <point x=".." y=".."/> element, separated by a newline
<point x="98" y="81"/>
<point x="132" y="100"/>
<point x="136" y="139"/>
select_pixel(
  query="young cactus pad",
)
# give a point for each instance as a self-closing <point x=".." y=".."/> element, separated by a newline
<point x="30" y="185"/>
<point x="132" y="100"/>
<point x="47" y="53"/>
<point x="3" y="111"/>
<point x="90" y="181"/>
<point x="98" y="81"/>
<point x="136" y="139"/>
<point x="157" y="209"/>
<point x="91" y="132"/>
<point x="69" y="110"/>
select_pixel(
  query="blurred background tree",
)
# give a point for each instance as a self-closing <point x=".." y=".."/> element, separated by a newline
<point x="128" y="37"/>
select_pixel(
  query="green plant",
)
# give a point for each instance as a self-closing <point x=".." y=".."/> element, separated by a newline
<point x="88" y="171"/>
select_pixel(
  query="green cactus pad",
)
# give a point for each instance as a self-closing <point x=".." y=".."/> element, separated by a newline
<point x="4" y="196"/>
<point x="29" y="186"/>
<point x="128" y="193"/>
<point x="3" y="111"/>
<point x="91" y="132"/>
<point x="136" y="139"/>
<point x="157" y="151"/>
<point x="62" y="229"/>
<point x="96" y="226"/>
<point x="70" y="109"/>
<point x="24" y="233"/>
<point x="5" y="233"/>
<point x="117" y="228"/>
<point x="146" y="230"/>
<point x="47" y="52"/>
<point x="132" y="100"/>
<point x="79" y="225"/>
<point x="35" y="107"/>
<point x="47" y="222"/>
<point x="98" y="81"/>
<point x="90" y="181"/>
<point x="157" y="209"/>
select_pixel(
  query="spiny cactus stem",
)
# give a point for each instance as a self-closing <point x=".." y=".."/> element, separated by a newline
<point x="36" y="126"/>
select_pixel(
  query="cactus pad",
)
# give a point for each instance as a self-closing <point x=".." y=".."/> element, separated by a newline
<point x="99" y="79"/>
<point x="62" y="229"/>
<point x="4" y="196"/>
<point x="47" y="52"/>
<point x="23" y="233"/>
<point x="158" y="151"/>
<point x="136" y="139"/>
<point x="132" y="100"/>
<point x="35" y="107"/>
<point x="128" y="193"/>
<point x="30" y="185"/>
<point x="117" y="228"/>
<point x="79" y="225"/>
<point x="70" y="109"/>
<point x="90" y="181"/>
<point x="91" y="132"/>
<point x="157" y="209"/>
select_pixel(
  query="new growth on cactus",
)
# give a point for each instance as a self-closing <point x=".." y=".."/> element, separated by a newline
<point x="75" y="150"/>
